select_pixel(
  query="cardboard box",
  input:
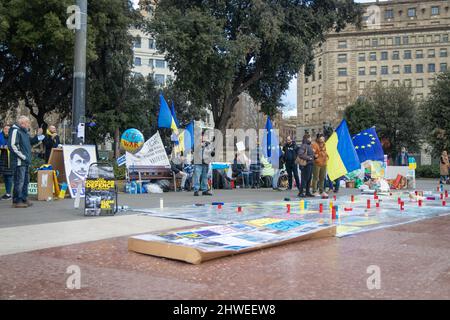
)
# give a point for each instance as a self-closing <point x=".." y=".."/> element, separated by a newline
<point x="45" y="184"/>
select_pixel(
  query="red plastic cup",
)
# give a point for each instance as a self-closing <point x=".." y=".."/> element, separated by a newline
<point x="444" y="203"/>
<point x="288" y="208"/>
<point x="402" y="206"/>
<point x="442" y="196"/>
<point x="219" y="206"/>
<point x="333" y="213"/>
<point x="353" y="198"/>
<point x="321" y="208"/>
<point x="446" y="193"/>
<point x="239" y="209"/>
<point x="399" y="200"/>
<point x="368" y="203"/>
<point x="420" y="203"/>
<point x="334" y="198"/>
<point x="377" y="204"/>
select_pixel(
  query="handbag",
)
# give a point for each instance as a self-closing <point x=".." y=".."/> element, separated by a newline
<point x="301" y="162"/>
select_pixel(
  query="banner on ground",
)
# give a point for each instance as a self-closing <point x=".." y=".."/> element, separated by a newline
<point x="152" y="153"/>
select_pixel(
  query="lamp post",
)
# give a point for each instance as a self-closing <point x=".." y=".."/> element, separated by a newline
<point x="78" y="21"/>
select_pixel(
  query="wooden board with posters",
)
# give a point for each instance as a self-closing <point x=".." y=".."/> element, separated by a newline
<point x="197" y="245"/>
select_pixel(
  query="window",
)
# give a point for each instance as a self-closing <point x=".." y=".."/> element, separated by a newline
<point x="431" y="53"/>
<point x="342" y="72"/>
<point x="313" y="104"/>
<point x="437" y="38"/>
<point x="445" y="38"/>
<point x="307" y="105"/>
<point x="443" y="53"/>
<point x="160" y="63"/>
<point x="397" y="41"/>
<point x="407" y="82"/>
<point x="384" y="70"/>
<point x="151" y="44"/>
<point x="137" y="42"/>
<point x="320" y="75"/>
<point x="374" y="42"/>
<point x="367" y="42"/>
<point x="320" y="88"/>
<point x="362" y="85"/>
<point x="313" y="90"/>
<point x="362" y="71"/>
<point x="373" y="56"/>
<point x="389" y="41"/>
<point x="431" y="67"/>
<point x="362" y="57"/>
<point x="306" y="118"/>
<point x="389" y="14"/>
<point x="372" y="83"/>
<point x="396" y="69"/>
<point x="150" y="63"/>
<point x="360" y="43"/>
<point x="383" y="41"/>
<point x="434" y="11"/>
<point x="137" y="61"/>
<point x="396" y="83"/>
<point x="405" y="40"/>
<point x="320" y="102"/>
<point x="342" y="100"/>
<point x="419" y="83"/>
<point x="159" y="79"/>
<point x="313" y="77"/>
<point x="342" y="58"/>
<point x="419" y="54"/>
<point x="395" y="55"/>
<point x="373" y="71"/>
<point x="306" y="79"/>
<point x="320" y="62"/>
<point x="384" y="55"/>
<point x="342" y="86"/>
<point x="419" y="68"/>
<point x="407" y="54"/>
<point x="443" y="67"/>
<point x="342" y="44"/>
<point x="306" y="92"/>
<point x="420" y="39"/>
<point x="411" y="12"/>
<point x="408" y="68"/>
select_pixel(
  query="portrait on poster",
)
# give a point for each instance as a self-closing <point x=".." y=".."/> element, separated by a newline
<point x="77" y="160"/>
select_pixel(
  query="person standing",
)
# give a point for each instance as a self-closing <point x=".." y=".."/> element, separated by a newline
<point x="290" y="151"/>
<point x="51" y="141"/>
<point x="319" y="166"/>
<point x="444" y="167"/>
<point x="403" y="157"/>
<point x="201" y="169"/>
<point x="19" y="144"/>
<point x="306" y="153"/>
<point x="6" y="163"/>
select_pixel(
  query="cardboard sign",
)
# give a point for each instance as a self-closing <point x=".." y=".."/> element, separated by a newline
<point x="32" y="188"/>
<point x="45" y="184"/>
<point x="77" y="160"/>
<point x="152" y="153"/>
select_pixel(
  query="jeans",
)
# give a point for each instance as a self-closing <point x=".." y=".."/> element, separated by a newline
<point x="306" y="178"/>
<point x="291" y="168"/>
<point x="275" y="178"/>
<point x="200" y="177"/>
<point x="21" y="180"/>
<point x="8" y="183"/>
<point x="247" y="178"/>
<point x="319" y="174"/>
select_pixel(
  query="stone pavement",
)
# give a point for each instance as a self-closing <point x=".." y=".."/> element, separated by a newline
<point x="413" y="258"/>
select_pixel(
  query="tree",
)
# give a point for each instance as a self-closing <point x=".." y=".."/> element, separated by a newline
<point x="36" y="56"/>
<point x="393" y="112"/>
<point x="435" y="113"/>
<point x="220" y="49"/>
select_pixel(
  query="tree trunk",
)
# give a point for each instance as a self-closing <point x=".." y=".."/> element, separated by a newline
<point x="117" y="143"/>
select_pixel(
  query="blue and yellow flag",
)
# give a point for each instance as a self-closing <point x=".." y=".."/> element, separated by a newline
<point x="165" y="118"/>
<point x="342" y="154"/>
<point x="368" y="146"/>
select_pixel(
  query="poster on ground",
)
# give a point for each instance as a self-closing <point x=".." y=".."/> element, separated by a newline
<point x="152" y="154"/>
<point x="77" y="160"/>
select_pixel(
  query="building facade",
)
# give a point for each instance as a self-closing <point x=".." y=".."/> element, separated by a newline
<point x="404" y="41"/>
<point x="147" y="59"/>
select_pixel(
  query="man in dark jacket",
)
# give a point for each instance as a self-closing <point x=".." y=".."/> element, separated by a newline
<point x="290" y="151"/>
<point x="5" y="163"/>
<point x="306" y="153"/>
<point x="200" y="176"/>
<point x="51" y="141"/>
<point x="19" y="144"/>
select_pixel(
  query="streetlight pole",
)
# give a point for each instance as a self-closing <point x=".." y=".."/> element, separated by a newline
<point x="79" y="76"/>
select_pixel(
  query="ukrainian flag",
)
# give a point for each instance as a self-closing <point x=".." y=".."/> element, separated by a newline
<point x="342" y="154"/>
<point x="186" y="139"/>
<point x="165" y="118"/>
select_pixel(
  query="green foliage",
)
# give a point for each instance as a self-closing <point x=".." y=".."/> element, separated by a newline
<point x="428" y="171"/>
<point x="36" y="163"/>
<point x="119" y="172"/>
<point x="393" y="112"/>
<point x="435" y="114"/>
<point x="220" y="49"/>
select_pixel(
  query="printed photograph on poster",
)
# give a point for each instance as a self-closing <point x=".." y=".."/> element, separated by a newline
<point x="77" y="160"/>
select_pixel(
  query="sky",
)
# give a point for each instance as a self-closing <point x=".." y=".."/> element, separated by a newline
<point x="290" y="97"/>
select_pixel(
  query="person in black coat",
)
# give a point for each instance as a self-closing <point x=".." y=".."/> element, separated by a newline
<point x="306" y="153"/>
<point x="51" y="141"/>
<point x="290" y="151"/>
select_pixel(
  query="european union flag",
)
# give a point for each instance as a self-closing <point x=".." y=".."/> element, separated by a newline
<point x="368" y="146"/>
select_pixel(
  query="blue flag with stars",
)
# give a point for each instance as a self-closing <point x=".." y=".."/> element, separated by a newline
<point x="368" y="146"/>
